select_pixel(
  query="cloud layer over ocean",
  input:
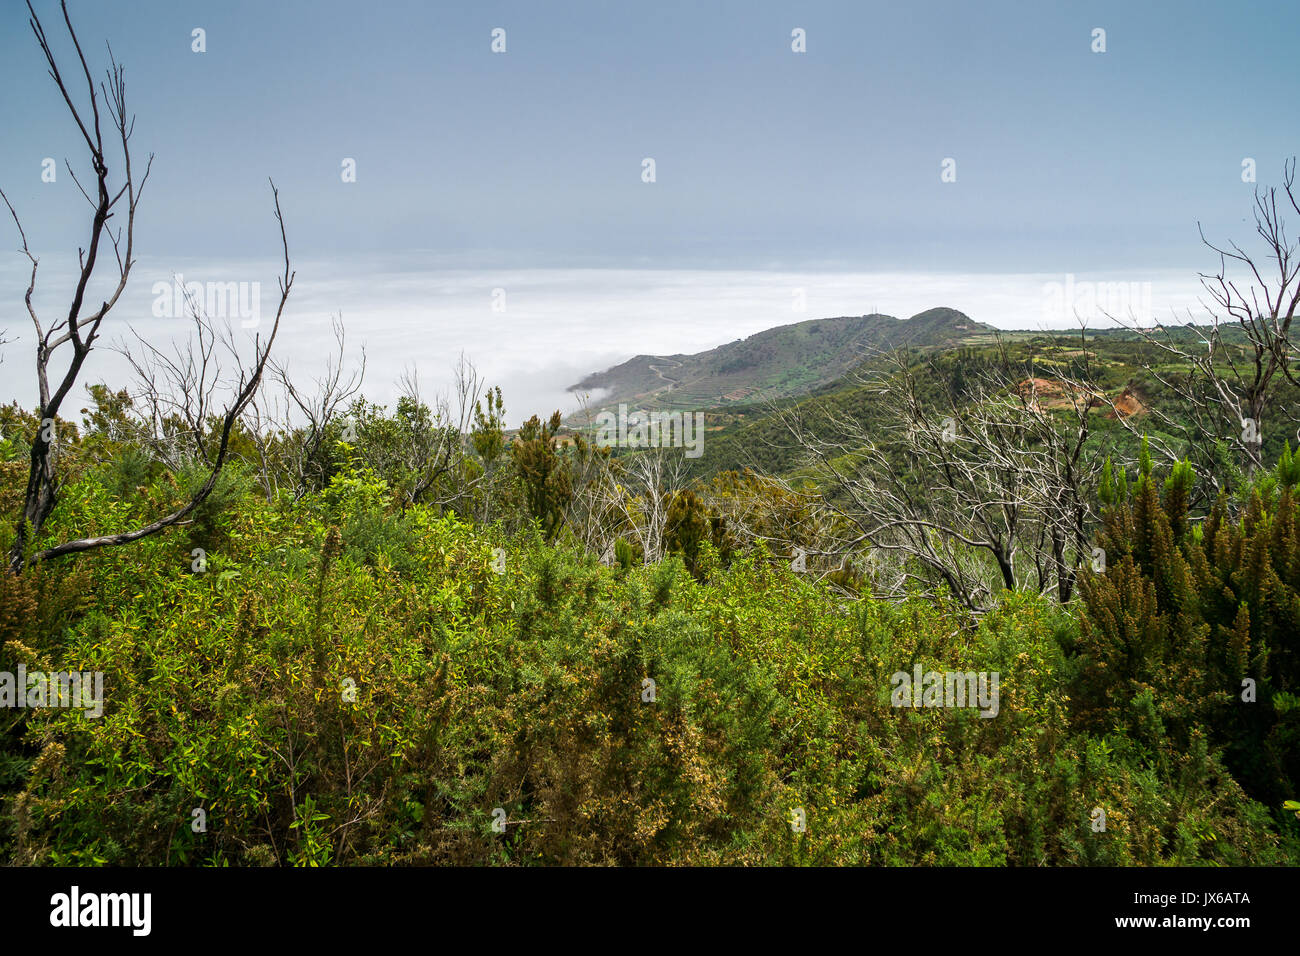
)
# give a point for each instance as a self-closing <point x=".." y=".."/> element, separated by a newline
<point x="537" y="331"/>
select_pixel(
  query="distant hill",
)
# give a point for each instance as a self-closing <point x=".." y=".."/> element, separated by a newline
<point x="777" y="363"/>
<point x="740" y="386"/>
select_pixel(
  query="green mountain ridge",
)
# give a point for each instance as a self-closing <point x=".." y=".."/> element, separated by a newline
<point x="776" y="363"/>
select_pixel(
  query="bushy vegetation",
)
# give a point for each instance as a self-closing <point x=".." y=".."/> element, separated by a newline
<point x="355" y="675"/>
<point x="331" y="633"/>
<point x="1194" y="630"/>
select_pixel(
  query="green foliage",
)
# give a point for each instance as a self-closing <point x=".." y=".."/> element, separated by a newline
<point x="326" y="707"/>
<point x="1193" y="632"/>
<point x="689" y="526"/>
<point x="363" y="677"/>
<point x="488" y="435"/>
<point x="547" y="482"/>
<point x="624" y="556"/>
<point x="210" y="522"/>
<point x="1288" y="468"/>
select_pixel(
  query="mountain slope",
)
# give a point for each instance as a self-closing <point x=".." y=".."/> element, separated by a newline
<point x="776" y="363"/>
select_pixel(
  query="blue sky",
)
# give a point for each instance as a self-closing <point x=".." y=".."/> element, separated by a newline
<point x="779" y="174"/>
<point x="1067" y="160"/>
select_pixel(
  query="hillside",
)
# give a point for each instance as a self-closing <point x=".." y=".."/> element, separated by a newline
<point x="749" y="435"/>
<point x="777" y="363"/>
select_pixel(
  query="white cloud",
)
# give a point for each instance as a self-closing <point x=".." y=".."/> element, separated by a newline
<point x="558" y="324"/>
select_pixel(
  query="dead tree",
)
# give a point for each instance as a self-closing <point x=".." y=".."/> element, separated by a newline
<point x="429" y="451"/>
<point x="650" y="480"/>
<point x="441" y="470"/>
<point x="596" y="512"/>
<point x="303" y="446"/>
<point x="968" y="493"/>
<point x="80" y="328"/>
<point x="178" y="389"/>
<point x="1228" y="379"/>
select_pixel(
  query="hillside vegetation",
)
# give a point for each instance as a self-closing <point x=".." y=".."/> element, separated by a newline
<point x="773" y="364"/>
<point x="352" y="677"/>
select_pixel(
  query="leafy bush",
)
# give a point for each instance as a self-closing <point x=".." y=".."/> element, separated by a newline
<point x="1193" y="631"/>
<point x="354" y="677"/>
<point x="325" y="710"/>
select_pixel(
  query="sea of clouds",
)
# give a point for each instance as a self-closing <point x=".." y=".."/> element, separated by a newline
<point x="535" y="332"/>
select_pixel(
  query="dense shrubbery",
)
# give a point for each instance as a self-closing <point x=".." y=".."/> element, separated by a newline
<point x="1194" y="631"/>
<point x="354" y="674"/>
<point x="340" y="635"/>
<point x="523" y="685"/>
